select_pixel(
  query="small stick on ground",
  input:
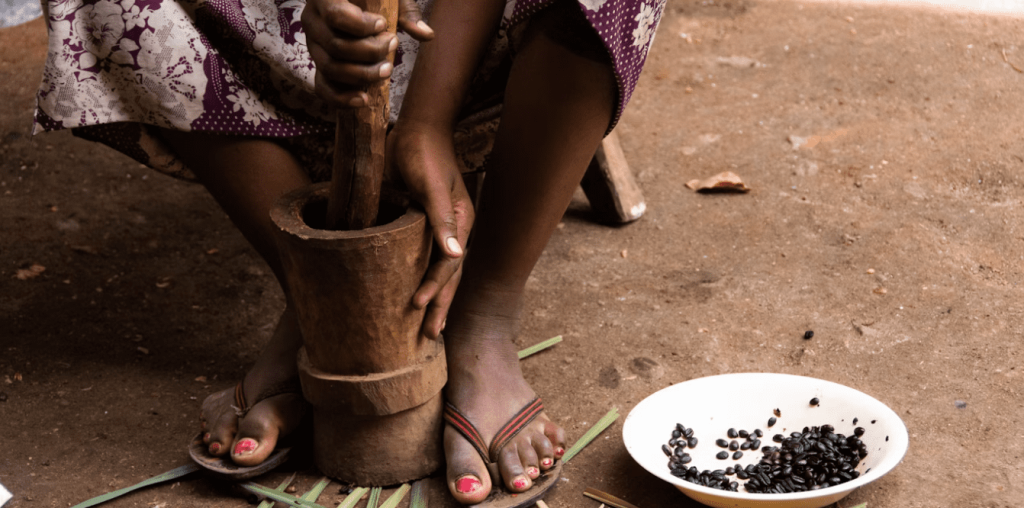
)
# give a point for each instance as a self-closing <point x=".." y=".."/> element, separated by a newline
<point x="1007" y="60"/>
<point x="607" y="498"/>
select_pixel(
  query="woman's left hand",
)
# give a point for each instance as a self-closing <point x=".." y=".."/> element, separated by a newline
<point x="425" y="157"/>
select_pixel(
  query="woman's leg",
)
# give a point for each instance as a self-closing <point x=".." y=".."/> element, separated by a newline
<point x="557" y="107"/>
<point x="246" y="176"/>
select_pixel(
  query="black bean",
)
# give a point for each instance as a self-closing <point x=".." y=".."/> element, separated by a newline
<point x="680" y="427"/>
<point x="777" y="412"/>
<point x="859" y="431"/>
<point x="771" y="421"/>
<point x="685" y="459"/>
<point x="745" y="446"/>
<point x="758" y="433"/>
<point x="815" y="401"/>
<point x="688" y="433"/>
<point x="722" y="455"/>
<point x="809" y="334"/>
<point x="755" y="444"/>
<point x="744" y="434"/>
<point x="777" y="438"/>
<point x="721" y="442"/>
<point x="732" y="433"/>
<point x="667" y="450"/>
<point x="679" y="452"/>
<point x="692" y="442"/>
<point x="855" y="421"/>
<point x="737" y="455"/>
<point x="733" y="446"/>
<point x="673" y="442"/>
<point x="873" y="421"/>
<point x="886" y="439"/>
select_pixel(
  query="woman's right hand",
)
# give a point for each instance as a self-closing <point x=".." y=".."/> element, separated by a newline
<point x="350" y="47"/>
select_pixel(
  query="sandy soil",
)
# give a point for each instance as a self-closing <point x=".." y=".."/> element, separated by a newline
<point x="895" y="234"/>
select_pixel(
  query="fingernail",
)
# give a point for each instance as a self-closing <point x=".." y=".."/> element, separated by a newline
<point x="546" y="462"/>
<point x="559" y="451"/>
<point x="467" y="484"/>
<point x="385" y="69"/>
<point x="453" y="245"/>
<point x="215" y="447"/>
<point x="245" y="446"/>
<point x="393" y="45"/>
<point x="519" y="483"/>
<point x="357" y="102"/>
<point x="423" y="26"/>
<point x="532" y="472"/>
<point x="380" y="25"/>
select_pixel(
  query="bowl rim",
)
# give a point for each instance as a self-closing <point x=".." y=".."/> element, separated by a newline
<point x="893" y="458"/>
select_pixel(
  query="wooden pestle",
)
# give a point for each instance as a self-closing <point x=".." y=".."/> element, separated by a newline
<point x="359" y="147"/>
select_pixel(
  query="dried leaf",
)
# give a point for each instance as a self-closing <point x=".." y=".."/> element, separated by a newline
<point x="85" y="249"/>
<point x="723" y="182"/>
<point x="30" y="272"/>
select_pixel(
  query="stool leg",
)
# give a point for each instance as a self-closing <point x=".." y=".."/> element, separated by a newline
<point x="610" y="187"/>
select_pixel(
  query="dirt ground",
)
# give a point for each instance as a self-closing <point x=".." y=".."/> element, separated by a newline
<point x="895" y="233"/>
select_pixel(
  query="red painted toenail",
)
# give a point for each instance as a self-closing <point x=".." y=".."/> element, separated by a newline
<point x="245" y="446"/>
<point x="546" y="462"/>
<point x="532" y="472"/>
<point x="215" y="447"/>
<point x="206" y="437"/>
<point x="559" y="451"/>
<point x="467" y="484"/>
<point x="520" y="483"/>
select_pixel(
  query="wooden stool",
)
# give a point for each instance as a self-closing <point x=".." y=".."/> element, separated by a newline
<point x="610" y="187"/>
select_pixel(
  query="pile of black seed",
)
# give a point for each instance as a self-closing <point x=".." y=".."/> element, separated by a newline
<point x="810" y="460"/>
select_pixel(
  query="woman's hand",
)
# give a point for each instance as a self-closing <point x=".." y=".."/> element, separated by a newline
<point x="425" y="157"/>
<point x="351" y="47"/>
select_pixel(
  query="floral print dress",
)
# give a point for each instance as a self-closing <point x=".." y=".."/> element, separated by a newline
<point x="117" y="68"/>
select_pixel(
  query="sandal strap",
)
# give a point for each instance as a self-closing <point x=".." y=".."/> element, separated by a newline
<point x="242" y="406"/>
<point x="509" y="431"/>
<point x="515" y="425"/>
<point x="460" y="423"/>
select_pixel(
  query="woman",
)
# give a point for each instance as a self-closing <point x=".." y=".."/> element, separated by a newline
<point x="237" y="94"/>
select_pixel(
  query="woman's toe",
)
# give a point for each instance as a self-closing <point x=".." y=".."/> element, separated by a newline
<point x="511" y="467"/>
<point x="259" y="430"/>
<point x="468" y="480"/>
<point x="556" y="436"/>
<point x="528" y="457"/>
<point x="221" y="435"/>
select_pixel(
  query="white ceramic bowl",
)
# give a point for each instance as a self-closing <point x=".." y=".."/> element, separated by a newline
<point x="712" y="405"/>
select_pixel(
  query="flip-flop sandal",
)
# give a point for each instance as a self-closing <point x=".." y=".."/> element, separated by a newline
<point x="224" y="467"/>
<point x="499" y="497"/>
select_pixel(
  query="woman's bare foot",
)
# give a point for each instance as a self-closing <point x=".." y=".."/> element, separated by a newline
<point x="487" y="386"/>
<point x="251" y="438"/>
